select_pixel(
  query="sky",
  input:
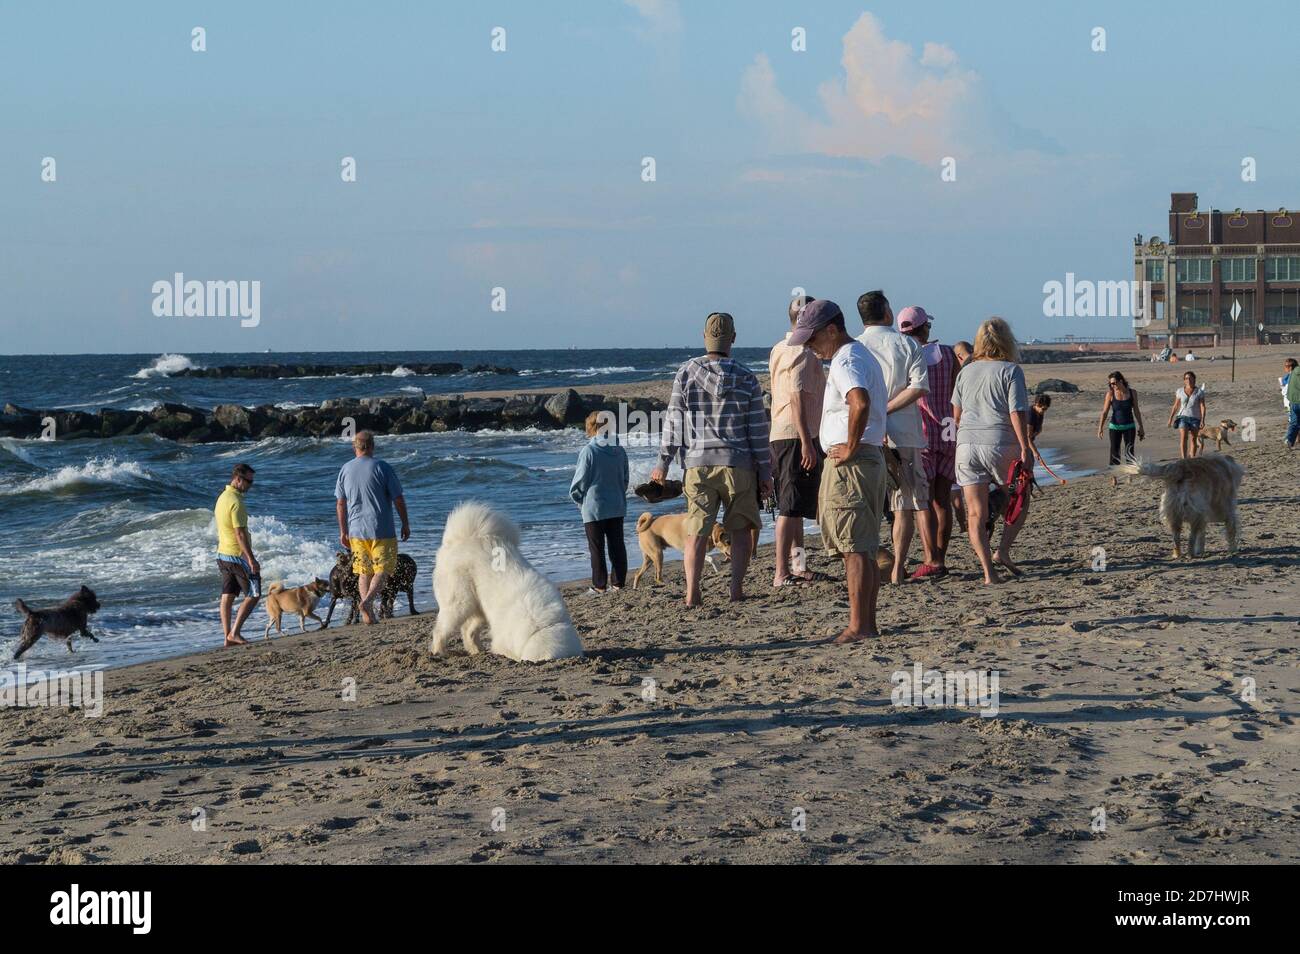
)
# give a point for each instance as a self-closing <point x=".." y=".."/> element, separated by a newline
<point x="524" y="170"/>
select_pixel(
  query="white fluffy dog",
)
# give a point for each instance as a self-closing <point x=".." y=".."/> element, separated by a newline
<point x="481" y="580"/>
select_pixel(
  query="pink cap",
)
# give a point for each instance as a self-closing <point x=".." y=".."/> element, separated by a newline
<point x="912" y="317"/>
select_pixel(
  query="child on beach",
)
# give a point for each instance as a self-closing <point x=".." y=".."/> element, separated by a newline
<point x="599" y="487"/>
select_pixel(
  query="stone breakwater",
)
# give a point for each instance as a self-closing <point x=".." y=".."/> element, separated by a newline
<point x="272" y="371"/>
<point x="383" y="415"/>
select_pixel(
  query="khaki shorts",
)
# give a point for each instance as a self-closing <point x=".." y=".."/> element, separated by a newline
<point x="913" y="492"/>
<point x="708" y="488"/>
<point x="851" y="502"/>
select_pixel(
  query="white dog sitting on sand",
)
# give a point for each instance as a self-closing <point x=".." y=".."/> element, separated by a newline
<point x="485" y="588"/>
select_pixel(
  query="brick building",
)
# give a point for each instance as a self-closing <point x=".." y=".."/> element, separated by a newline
<point x="1212" y="259"/>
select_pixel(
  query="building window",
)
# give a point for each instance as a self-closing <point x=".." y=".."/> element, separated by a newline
<point x="1191" y="316"/>
<point x="1238" y="269"/>
<point x="1155" y="270"/>
<point x="1282" y="269"/>
<point x="1193" y="269"/>
<point x="1282" y="308"/>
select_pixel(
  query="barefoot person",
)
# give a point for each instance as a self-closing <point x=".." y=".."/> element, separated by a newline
<point x="1188" y="414"/>
<point x="852" y="494"/>
<point x="365" y="494"/>
<point x="1122" y="418"/>
<point x="990" y="403"/>
<point x="934" y="523"/>
<point x="798" y="383"/>
<point x="241" y="574"/>
<point x="716" y="425"/>
<point x="902" y="365"/>
<point x="599" y="487"/>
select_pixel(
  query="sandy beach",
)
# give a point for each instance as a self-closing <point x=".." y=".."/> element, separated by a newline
<point x="736" y="733"/>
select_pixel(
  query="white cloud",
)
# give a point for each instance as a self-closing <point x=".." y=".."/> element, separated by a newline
<point x="661" y="16"/>
<point x="888" y="102"/>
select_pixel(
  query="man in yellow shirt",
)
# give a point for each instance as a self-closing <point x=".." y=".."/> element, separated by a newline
<point x="240" y="572"/>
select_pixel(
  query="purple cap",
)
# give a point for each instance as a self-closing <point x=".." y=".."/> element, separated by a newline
<point x="913" y="317"/>
<point x="815" y="316"/>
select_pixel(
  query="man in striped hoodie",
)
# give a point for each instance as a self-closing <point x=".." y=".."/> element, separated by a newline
<point x="717" y="426"/>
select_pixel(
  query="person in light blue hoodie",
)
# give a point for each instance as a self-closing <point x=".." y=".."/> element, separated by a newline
<point x="600" y="488"/>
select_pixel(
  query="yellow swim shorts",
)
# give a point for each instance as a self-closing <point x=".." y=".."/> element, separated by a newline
<point x="374" y="556"/>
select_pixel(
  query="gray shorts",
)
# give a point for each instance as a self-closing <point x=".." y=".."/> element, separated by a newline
<point x="984" y="463"/>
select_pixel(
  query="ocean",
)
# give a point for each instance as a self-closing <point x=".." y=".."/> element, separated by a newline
<point x="132" y="517"/>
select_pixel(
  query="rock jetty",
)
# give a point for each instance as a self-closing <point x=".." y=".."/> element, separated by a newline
<point x="383" y="415"/>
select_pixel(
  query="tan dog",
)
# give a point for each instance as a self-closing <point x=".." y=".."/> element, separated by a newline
<point x="1217" y="433"/>
<point x="1198" y="491"/>
<point x="300" y="602"/>
<point x="656" y="534"/>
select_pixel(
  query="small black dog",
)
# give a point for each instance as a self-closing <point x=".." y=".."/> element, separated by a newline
<point x="343" y="586"/>
<point x="63" y="621"/>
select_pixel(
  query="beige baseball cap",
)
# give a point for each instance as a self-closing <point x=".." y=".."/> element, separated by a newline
<point x="719" y="331"/>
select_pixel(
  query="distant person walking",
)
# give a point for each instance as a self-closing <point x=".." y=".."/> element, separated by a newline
<point x="990" y="404"/>
<point x="1188" y="414"/>
<point x="599" y="487"/>
<point x="365" y="494"/>
<point x="717" y="427"/>
<point x="851" y="498"/>
<point x="1290" y="382"/>
<point x="241" y="574"/>
<point x="798" y="384"/>
<point x="1122" y="418"/>
<point x="935" y="522"/>
<point x="903" y="366"/>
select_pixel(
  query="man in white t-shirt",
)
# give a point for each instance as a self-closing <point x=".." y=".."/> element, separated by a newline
<point x="902" y="362"/>
<point x="852" y="492"/>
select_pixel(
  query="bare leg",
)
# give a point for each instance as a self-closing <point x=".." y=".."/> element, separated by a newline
<point x="227" y="602"/>
<point x="941" y="507"/>
<point x="740" y="551"/>
<point x="369" y="586"/>
<point x="977" y="511"/>
<point x="786" y="529"/>
<point x="694" y="560"/>
<point x="904" y="527"/>
<point x="1009" y="534"/>
<point x="245" y="608"/>
<point x="863" y="578"/>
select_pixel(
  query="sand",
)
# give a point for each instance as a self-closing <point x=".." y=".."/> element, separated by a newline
<point x="1121" y="692"/>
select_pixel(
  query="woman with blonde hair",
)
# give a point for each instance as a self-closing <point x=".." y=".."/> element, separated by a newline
<point x="990" y="405"/>
<point x="599" y="487"/>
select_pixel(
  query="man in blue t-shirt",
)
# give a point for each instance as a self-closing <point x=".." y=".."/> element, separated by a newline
<point x="366" y="493"/>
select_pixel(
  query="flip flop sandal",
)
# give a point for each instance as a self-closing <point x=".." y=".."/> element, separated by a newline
<point x="792" y="581"/>
<point x="926" y="570"/>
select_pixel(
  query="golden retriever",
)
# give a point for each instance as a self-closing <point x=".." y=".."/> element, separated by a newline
<point x="1198" y="491"/>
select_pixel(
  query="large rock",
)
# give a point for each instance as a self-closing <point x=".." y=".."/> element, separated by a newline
<point x="567" y="408"/>
<point x="238" y="421"/>
<point x="526" y="410"/>
<point x="1056" y="384"/>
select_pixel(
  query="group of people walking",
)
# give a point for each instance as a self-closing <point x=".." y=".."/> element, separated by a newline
<point x="948" y="416"/>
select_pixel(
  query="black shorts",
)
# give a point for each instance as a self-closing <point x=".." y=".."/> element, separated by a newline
<point x="796" y="488"/>
<point x="237" y="581"/>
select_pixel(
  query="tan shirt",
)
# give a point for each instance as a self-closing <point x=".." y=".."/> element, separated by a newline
<point x="795" y="369"/>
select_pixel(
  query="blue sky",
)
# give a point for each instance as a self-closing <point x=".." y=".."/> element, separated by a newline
<point x="522" y="169"/>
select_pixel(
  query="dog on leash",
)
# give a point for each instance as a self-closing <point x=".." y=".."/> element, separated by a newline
<point x="300" y="601"/>
<point x="1198" y="491"/>
<point x="61" y="622"/>
<point x="1217" y="433"/>
<point x="343" y="585"/>
<point x="657" y="534"/>
<point x="492" y="597"/>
